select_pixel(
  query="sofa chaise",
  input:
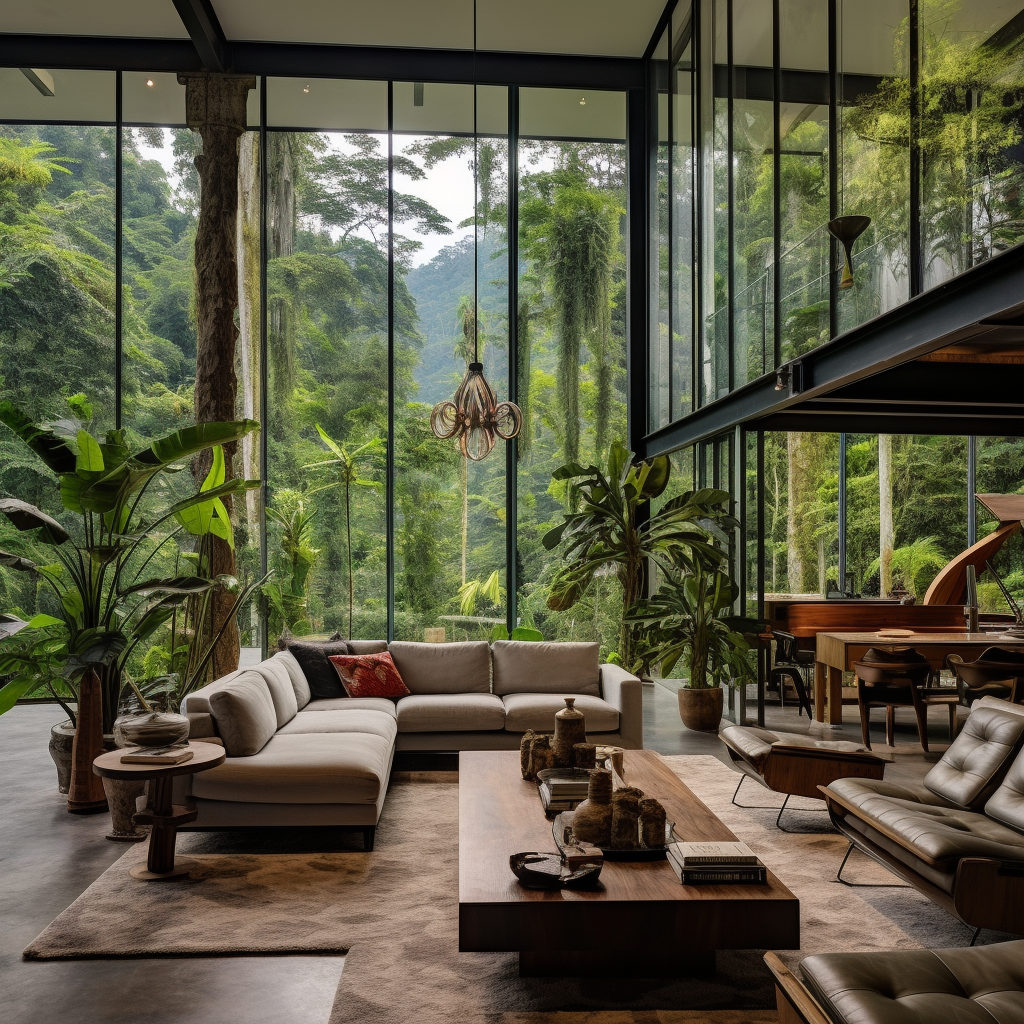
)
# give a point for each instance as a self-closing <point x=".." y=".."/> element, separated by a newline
<point x="292" y="760"/>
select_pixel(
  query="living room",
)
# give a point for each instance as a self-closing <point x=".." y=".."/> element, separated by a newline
<point x="456" y="460"/>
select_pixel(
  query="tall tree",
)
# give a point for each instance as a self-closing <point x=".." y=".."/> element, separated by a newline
<point x="215" y="109"/>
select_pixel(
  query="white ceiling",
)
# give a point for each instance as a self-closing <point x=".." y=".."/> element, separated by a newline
<point x="619" y="28"/>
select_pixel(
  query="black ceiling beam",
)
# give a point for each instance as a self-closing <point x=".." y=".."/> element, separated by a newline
<point x="949" y="313"/>
<point x="947" y="426"/>
<point x="203" y="26"/>
<point x="301" y="60"/>
<point x="935" y="383"/>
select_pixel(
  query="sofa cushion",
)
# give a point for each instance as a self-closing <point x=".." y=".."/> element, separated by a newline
<point x="353" y="704"/>
<point x="980" y="985"/>
<point x="453" y="712"/>
<point x="1007" y="803"/>
<point x="537" y="711"/>
<point x="368" y="646"/>
<point x="754" y="744"/>
<point x="312" y="657"/>
<point x="524" y="667"/>
<point x="296" y="676"/>
<point x="934" y="832"/>
<point x="282" y="693"/>
<point x="379" y="723"/>
<point x="198" y="701"/>
<point x="972" y="766"/>
<point x="369" y="675"/>
<point x="307" y="768"/>
<point x="244" y="712"/>
<point x="443" y="668"/>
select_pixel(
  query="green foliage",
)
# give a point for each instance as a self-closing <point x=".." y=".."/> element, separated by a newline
<point x="915" y="564"/>
<point x="491" y="590"/>
<point x="289" y="591"/>
<point x="107" y="602"/>
<point x="688" y="619"/>
<point x="606" y="534"/>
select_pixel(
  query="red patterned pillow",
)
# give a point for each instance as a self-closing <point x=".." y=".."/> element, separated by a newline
<point x="369" y="675"/>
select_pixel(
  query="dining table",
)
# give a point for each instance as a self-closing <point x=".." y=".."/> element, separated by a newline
<point x="835" y="653"/>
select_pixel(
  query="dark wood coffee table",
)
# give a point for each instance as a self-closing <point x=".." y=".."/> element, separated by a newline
<point x="641" y="922"/>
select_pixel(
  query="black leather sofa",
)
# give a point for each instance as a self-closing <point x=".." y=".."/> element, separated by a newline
<point x="959" y="836"/>
<point x="983" y="985"/>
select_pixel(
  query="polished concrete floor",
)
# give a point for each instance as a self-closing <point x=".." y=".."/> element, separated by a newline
<point x="48" y="857"/>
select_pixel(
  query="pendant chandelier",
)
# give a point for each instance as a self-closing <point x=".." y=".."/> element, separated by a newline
<point x="475" y="416"/>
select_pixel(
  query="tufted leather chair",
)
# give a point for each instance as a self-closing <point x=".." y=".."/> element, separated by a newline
<point x="979" y="985"/>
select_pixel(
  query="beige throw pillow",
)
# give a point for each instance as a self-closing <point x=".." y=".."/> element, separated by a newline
<point x="244" y="712"/>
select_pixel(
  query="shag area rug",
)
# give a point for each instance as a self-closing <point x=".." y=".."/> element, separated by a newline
<point x="396" y="912"/>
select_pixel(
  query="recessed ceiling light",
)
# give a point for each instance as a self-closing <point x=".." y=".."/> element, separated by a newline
<point x="149" y="82"/>
<point x="306" y="89"/>
<point x="583" y="101"/>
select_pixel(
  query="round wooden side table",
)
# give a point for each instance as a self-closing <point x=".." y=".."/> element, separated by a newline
<point x="160" y="813"/>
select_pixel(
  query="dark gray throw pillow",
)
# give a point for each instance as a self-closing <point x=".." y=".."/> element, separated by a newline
<point x="321" y="675"/>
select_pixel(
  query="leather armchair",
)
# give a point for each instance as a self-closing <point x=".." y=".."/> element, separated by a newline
<point x="905" y="986"/>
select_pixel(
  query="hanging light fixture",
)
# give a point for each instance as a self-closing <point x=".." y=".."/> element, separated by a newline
<point x="475" y="416"/>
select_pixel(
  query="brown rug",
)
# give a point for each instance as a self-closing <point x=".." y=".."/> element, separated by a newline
<point x="396" y="910"/>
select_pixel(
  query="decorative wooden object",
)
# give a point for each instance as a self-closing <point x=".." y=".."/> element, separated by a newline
<point x="584" y="755"/>
<point x="668" y="928"/>
<point x="215" y="109"/>
<point x="535" y="754"/>
<point x="652" y="823"/>
<point x="592" y="820"/>
<point x="570" y="729"/>
<point x="626" y="818"/>
<point x="86" y="795"/>
<point x="160" y="812"/>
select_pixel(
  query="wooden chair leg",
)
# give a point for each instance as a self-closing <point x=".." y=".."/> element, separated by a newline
<point x="921" y="711"/>
<point x="865" y="712"/>
<point x="890" y="724"/>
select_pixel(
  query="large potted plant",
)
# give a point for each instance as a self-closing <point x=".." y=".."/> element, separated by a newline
<point x="105" y="601"/>
<point x="608" y="526"/>
<point x="688" y="619"/>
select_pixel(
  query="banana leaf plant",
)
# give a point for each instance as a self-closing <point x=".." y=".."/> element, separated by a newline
<point x="689" y="619"/>
<point x="607" y="528"/>
<point x="105" y="598"/>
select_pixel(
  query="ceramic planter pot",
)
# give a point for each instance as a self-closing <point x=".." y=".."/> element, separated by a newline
<point x="62" y="738"/>
<point x="701" y="710"/>
<point x="122" y="795"/>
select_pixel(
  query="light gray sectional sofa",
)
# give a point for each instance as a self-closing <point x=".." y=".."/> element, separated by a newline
<point x="296" y="761"/>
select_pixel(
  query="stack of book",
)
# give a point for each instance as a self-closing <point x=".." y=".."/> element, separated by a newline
<point x="562" y="794"/>
<point x="716" y="864"/>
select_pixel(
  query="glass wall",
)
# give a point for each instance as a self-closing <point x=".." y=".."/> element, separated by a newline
<point x="572" y="332"/>
<point x="805" y="113"/>
<point x="384" y="275"/>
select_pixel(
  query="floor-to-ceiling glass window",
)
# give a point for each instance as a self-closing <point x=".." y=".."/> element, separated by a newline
<point x="753" y="188"/>
<point x="659" y="411"/>
<point x="57" y="280"/>
<point x="999" y="469"/>
<point x="874" y="154"/>
<point x="682" y="199"/>
<point x="970" y="134"/>
<point x="572" y="307"/>
<point x="327" y="353"/>
<point x="452" y="265"/>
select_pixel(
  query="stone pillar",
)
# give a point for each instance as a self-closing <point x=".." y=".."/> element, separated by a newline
<point x="215" y="108"/>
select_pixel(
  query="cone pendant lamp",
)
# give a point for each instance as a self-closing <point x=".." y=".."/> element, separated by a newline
<point x="847" y="230"/>
<point x="475" y="417"/>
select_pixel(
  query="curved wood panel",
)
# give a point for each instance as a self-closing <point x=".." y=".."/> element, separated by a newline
<point x="950" y="586"/>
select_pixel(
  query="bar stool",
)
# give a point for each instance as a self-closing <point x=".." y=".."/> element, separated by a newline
<point x="892" y="679"/>
<point x="996" y="672"/>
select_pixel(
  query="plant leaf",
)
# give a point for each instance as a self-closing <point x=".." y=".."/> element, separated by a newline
<point x="48" y="446"/>
<point x="90" y="455"/>
<point x="24" y="516"/>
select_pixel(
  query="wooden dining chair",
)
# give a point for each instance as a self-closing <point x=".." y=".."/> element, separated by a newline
<point x="789" y="663"/>
<point x="892" y="679"/>
<point x="996" y="672"/>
